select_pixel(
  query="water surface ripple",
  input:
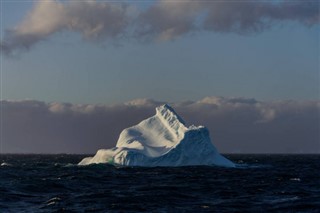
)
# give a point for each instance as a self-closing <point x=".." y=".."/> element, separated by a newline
<point x="261" y="183"/>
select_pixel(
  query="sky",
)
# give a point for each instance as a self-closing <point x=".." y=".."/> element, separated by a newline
<point x="110" y="53"/>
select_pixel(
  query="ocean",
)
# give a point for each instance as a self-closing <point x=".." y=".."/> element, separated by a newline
<point x="261" y="183"/>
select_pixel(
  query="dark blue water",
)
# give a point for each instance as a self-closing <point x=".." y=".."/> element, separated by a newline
<point x="263" y="183"/>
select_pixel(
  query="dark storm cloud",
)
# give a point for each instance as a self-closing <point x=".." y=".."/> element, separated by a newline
<point x="236" y="124"/>
<point x="164" y="20"/>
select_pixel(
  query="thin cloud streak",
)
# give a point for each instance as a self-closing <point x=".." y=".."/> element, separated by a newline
<point x="237" y="125"/>
<point x="162" y="21"/>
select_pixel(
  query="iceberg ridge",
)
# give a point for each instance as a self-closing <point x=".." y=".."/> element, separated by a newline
<point x="161" y="140"/>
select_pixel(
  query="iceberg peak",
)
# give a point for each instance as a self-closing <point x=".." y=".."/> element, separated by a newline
<point x="168" y="113"/>
<point x="162" y="140"/>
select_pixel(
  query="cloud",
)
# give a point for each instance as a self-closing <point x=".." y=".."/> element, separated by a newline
<point x="163" y="20"/>
<point x="93" y="20"/>
<point x="238" y="125"/>
<point x="170" y="19"/>
<point x="255" y="16"/>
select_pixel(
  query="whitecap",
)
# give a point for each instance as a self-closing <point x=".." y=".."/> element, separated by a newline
<point x="283" y="200"/>
<point x="53" y="201"/>
<point x="295" y="179"/>
<point x="251" y="166"/>
<point x="5" y="164"/>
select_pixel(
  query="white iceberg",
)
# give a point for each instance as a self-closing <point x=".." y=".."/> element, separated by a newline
<point x="161" y="140"/>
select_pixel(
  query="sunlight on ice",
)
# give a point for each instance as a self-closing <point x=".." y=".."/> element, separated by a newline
<point x="161" y="140"/>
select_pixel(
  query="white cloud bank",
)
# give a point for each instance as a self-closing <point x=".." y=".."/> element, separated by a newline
<point x="163" y="20"/>
<point x="237" y="125"/>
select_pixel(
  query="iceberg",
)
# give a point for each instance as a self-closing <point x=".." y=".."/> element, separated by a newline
<point x="161" y="140"/>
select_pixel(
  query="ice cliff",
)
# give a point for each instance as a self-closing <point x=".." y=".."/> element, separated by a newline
<point x="161" y="140"/>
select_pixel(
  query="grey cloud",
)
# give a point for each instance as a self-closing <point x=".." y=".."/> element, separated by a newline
<point x="255" y="16"/>
<point x="237" y="125"/>
<point x="170" y="19"/>
<point x="164" y="20"/>
<point x="94" y="20"/>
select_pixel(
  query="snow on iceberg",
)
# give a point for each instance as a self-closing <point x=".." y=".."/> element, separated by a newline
<point x="161" y="140"/>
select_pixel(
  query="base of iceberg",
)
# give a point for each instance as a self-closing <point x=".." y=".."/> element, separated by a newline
<point x="161" y="140"/>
